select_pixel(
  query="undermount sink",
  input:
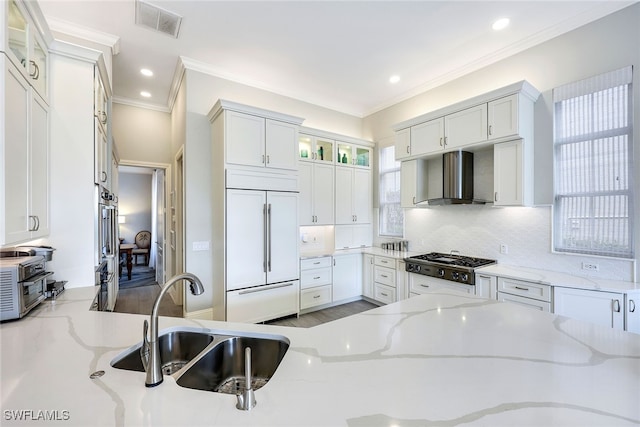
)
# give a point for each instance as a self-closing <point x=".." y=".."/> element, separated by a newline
<point x="222" y="369"/>
<point x="212" y="360"/>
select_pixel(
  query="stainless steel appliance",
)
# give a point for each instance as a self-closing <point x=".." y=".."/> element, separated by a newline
<point x="452" y="267"/>
<point x="107" y="252"/>
<point x="23" y="283"/>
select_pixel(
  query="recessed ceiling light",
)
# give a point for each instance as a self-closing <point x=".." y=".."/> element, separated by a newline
<point x="146" y="72"/>
<point x="394" y="79"/>
<point x="500" y="24"/>
<point x="145" y="94"/>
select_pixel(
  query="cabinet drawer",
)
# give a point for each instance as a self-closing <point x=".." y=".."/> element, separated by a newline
<point x="385" y="262"/>
<point x="262" y="303"/>
<point x="384" y="293"/>
<point x="315" y="277"/>
<point x="526" y="302"/>
<point x="315" y="296"/>
<point x="307" y="264"/>
<point x="384" y="275"/>
<point x="526" y="289"/>
<point x="419" y="284"/>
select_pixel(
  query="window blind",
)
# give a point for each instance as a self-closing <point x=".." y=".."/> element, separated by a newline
<point x="593" y="166"/>
<point x="391" y="214"/>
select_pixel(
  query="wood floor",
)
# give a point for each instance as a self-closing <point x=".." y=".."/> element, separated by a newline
<point x="140" y="301"/>
<point x="322" y="316"/>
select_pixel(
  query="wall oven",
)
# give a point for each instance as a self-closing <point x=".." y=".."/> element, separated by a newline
<point x="23" y="283"/>
<point x="107" y="251"/>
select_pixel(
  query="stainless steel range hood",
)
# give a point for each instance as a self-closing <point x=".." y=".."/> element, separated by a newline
<point x="457" y="179"/>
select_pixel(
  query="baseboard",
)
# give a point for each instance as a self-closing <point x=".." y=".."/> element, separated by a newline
<point x="206" y="314"/>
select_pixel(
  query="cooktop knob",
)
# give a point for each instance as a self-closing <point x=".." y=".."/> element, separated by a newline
<point x="464" y="277"/>
<point x="441" y="272"/>
<point x="455" y="275"/>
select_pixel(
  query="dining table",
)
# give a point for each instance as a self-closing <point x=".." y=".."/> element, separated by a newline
<point x="127" y="248"/>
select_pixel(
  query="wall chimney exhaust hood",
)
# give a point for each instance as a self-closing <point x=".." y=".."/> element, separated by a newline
<point x="457" y="179"/>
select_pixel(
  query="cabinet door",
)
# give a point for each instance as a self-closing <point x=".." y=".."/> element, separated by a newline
<point x="39" y="166"/>
<point x="367" y="275"/>
<point x="263" y="303"/>
<point x="282" y="237"/>
<point x="408" y="182"/>
<point x="632" y="320"/>
<point x="503" y="117"/>
<point x="347" y="276"/>
<point x="427" y="137"/>
<point x="466" y="127"/>
<point x="602" y="308"/>
<point x="281" y="145"/>
<point x="507" y="174"/>
<point x="101" y="158"/>
<point x="307" y="193"/>
<point x="16" y="156"/>
<point x="362" y="196"/>
<point x="323" y="193"/>
<point x="244" y="139"/>
<point x="403" y="144"/>
<point x="486" y="286"/>
<point x="344" y="195"/>
<point x="245" y="242"/>
<point x="362" y="156"/>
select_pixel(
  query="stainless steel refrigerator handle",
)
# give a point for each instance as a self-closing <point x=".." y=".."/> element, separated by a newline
<point x="269" y="233"/>
<point x="264" y="238"/>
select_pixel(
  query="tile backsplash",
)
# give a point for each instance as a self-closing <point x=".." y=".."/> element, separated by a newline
<point x="483" y="230"/>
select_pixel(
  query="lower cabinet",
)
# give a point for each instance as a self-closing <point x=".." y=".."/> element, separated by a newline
<point x="632" y="312"/>
<point x="486" y="286"/>
<point x="367" y="275"/>
<point x="602" y="308"/>
<point x="419" y="284"/>
<point x="253" y="305"/>
<point x="315" y="282"/>
<point x="347" y="276"/>
<point x="529" y="294"/>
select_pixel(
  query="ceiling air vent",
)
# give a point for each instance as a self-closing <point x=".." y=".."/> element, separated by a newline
<point x="157" y="19"/>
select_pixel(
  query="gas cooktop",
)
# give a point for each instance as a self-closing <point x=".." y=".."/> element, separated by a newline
<point x="451" y="260"/>
<point x="451" y="266"/>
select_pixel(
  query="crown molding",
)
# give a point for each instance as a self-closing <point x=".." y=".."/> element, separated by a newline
<point x="139" y="104"/>
<point x="85" y="33"/>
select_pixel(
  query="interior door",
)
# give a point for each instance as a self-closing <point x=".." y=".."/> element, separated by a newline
<point x="159" y="177"/>
<point x="282" y="236"/>
<point x="246" y="244"/>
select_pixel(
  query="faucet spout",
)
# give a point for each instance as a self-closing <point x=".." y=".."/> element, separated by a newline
<point x="151" y="356"/>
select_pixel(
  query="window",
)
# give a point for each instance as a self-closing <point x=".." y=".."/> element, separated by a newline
<point x="391" y="215"/>
<point x="593" y="170"/>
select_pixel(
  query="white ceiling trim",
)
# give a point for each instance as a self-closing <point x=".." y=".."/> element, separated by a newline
<point x="135" y="103"/>
<point x="75" y="30"/>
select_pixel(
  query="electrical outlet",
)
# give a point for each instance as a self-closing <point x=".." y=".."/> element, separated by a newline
<point x="590" y="266"/>
<point x="504" y="249"/>
<point x="200" y="246"/>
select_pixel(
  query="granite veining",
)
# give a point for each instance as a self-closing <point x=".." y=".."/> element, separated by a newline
<point x="441" y="359"/>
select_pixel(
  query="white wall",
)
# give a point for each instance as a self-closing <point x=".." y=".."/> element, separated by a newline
<point x="608" y="44"/>
<point x="134" y="202"/>
<point x="141" y="134"/>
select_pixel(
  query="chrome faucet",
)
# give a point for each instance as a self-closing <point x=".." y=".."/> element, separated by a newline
<point x="150" y="350"/>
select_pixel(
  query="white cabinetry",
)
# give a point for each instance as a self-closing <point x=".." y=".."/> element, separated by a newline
<point x="403" y="144"/>
<point x="353" y="155"/>
<point x="420" y="284"/>
<point x="513" y="174"/>
<point x="316" y="193"/>
<point x="632" y="312"/>
<point x="528" y="294"/>
<point x="256" y="141"/>
<point x="466" y="127"/>
<point x="313" y="148"/>
<point x="102" y="167"/>
<point x="315" y="282"/>
<point x="353" y="236"/>
<point x="24" y="156"/>
<point x="384" y="275"/>
<point x="262" y="303"/>
<point x="503" y="117"/>
<point x="428" y="137"/>
<point x="347" y="276"/>
<point x="353" y="195"/>
<point x="602" y="308"/>
<point x="367" y="275"/>
<point x="486" y="286"/>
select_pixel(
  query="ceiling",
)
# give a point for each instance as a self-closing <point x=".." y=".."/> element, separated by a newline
<point x="336" y="54"/>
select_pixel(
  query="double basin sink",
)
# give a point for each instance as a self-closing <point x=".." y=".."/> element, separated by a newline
<point x="212" y="361"/>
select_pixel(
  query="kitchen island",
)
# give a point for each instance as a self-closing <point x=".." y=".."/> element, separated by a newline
<point x="438" y="359"/>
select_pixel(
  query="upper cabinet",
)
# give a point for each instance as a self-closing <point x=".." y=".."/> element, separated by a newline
<point x="316" y="149"/>
<point x="498" y="116"/>
<point x="254" y="140"/>
<point x="350" y="154"/>
<point x="24" y="125"/>
<point x="24" y="43"/>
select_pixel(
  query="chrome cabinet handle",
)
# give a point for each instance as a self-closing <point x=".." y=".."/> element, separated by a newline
<point x="263" y="288"/>
<point x="441" y="142"/>
<point x="490" y="129"/>
<point x="264" y="238"/>
<point x="384" y="275"/>
<point x="522" y="289"/>
<point x="33" y="223"/>
<point x="104" y="176"/>
<point x="383" y="294"/>
<point x="414" y="200"/>
<point x="263" y="159"/>
<point x="632" y="306"/>
<point x="424" y="286"/>
<point x="495" y="196"/>
<point x="316" y="296"/>
<point x="408" y="149"/>
<point x="268" y="159"/>
<point x="104" y="117"/>
<point x="269" y="236"/>
<point x="316" y="278"/>
<point x="445" y="140"/>
<point x="616" y="306"/>
<point x="35" y="75"/>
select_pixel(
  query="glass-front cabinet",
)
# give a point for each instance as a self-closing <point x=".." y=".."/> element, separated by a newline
<point x="315" y="149"/>
<point x="24" y="46"/>
<point x="353" y="155"/>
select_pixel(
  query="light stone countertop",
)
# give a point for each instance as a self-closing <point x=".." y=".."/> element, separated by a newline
<point x="371" y="250"/>
<point x="438" y="359"/>
<point x="554" y="278"/>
